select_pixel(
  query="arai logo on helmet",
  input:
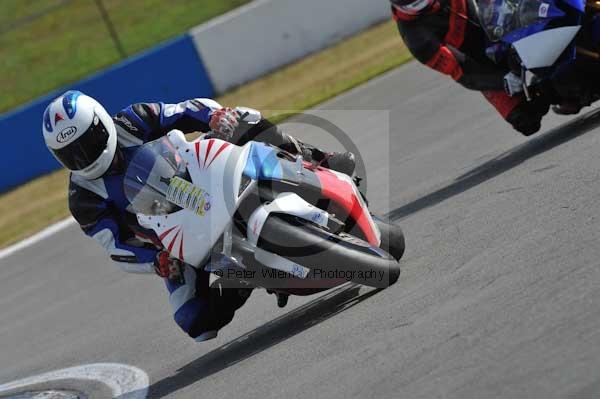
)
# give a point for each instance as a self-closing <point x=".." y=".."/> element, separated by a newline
<point x="66" y="134"/>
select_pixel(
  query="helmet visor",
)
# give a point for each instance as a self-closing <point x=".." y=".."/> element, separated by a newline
<point x="84" y="151"/>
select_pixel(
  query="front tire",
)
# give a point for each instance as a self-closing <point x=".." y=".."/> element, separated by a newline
<point x="392" y="238"/>
<point x="327" y="254"/>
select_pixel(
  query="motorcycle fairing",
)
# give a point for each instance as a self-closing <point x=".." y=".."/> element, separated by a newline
<point x="542" y="49"/>
<point x="578" y="5"/>
<point x="548" y="57"/>
<point x="339" y="188"/>
<point x="551" y="12"/>
<point x="215" y="168"/>
<point x="286" y="203"/>
<point x="519" y="34"/>
<point x="263" y="163"/>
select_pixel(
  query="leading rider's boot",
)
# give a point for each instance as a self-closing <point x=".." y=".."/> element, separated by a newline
<point x="567" y="108"/>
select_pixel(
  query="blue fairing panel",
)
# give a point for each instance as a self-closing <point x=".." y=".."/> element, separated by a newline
<point x="576" y="4"/>
<point x="524" y="32"/>
<point x="263" y="163"/>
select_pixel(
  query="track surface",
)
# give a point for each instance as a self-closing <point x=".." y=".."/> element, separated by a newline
<point x="498" y="299"/>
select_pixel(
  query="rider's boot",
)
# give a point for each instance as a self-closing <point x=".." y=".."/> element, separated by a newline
<point x="343" y="162"/>
<point x="567" y="108"/>
<point x="223" y="301"/>
<point x="282" y="300"/>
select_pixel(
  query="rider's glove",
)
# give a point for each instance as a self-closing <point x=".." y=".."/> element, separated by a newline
<point x="223" y="123"/>
<point x="170" y="268"/>
<point x="513" y="84"/>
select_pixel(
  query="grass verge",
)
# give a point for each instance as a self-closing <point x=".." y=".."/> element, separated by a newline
<point x="299" y="86"/>
<point x="58" y="42"/>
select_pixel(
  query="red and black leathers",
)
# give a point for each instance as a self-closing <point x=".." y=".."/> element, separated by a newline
<point x="448" y="39"/>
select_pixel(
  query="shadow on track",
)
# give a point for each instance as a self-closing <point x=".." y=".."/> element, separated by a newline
<point x="502" y="163"/>
<point x="262" y="338"/>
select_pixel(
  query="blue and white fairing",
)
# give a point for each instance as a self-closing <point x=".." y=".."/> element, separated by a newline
<point x="540" y="31"/>
<point x="188" y="192"/>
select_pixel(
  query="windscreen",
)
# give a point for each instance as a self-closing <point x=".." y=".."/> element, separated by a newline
<point x="150" y="176"/>
<point x="500" y="17"/>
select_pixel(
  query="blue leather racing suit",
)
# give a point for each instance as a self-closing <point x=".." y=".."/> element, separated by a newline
<point x="104" y="213"/>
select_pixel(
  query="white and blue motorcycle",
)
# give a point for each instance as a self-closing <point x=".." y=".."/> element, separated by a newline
<point x="260" y="217"/>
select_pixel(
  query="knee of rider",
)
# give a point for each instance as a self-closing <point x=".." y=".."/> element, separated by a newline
<point x="187" y="315"/>
<point x="503" y="103"/>
<point x="533" y="110"/>
<point x="229" y="299"/>
<point x="207" y="323"/>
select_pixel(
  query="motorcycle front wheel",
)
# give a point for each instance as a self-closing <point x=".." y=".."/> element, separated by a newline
<point x="329" y="255"/>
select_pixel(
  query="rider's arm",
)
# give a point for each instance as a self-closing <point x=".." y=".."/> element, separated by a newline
<point x="479" y="76"/>
<point x="153" y="120"/>
<point x="431" y="51"/>
<point x="97" y="219"/>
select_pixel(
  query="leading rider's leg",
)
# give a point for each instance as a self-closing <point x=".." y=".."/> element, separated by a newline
<point x="201" y="310"/>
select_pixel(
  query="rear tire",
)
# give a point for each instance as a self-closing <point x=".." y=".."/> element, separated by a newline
<point x="325" y="253"/>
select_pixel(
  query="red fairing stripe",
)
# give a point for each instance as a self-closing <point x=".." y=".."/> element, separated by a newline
<point x="206" y="164"/>
<point x="445" y="62"/>
<point x="219" y="151"/>
<point x="198" y="151"/>
<point x="166" y="233"/>
<point x="172" y="244"/>
<point x="181" y="248"/>
<point x="343" y="194"/>
<point x="208" y="148"/>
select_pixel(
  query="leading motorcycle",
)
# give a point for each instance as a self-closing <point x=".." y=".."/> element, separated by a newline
<point x="552" y="45"/>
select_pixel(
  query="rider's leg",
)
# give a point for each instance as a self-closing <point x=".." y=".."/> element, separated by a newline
<point x="201" y="310"/>
<point x="525" y="116"/>
<point x="574" y="88"/>
<point x="267" y="132"/>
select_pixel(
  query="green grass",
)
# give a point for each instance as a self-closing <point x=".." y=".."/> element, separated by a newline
<point x="71" y="41"/>
<point x="299" y="86"/>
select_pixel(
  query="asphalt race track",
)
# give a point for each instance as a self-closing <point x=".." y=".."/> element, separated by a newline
<point x="499" y="296"/>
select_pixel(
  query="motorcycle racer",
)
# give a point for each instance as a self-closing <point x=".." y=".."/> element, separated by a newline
<point x="442" y="35"/>
<point x="97" y="149"/>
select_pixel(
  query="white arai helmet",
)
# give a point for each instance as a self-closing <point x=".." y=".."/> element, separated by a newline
<point x="80" y="134"/>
